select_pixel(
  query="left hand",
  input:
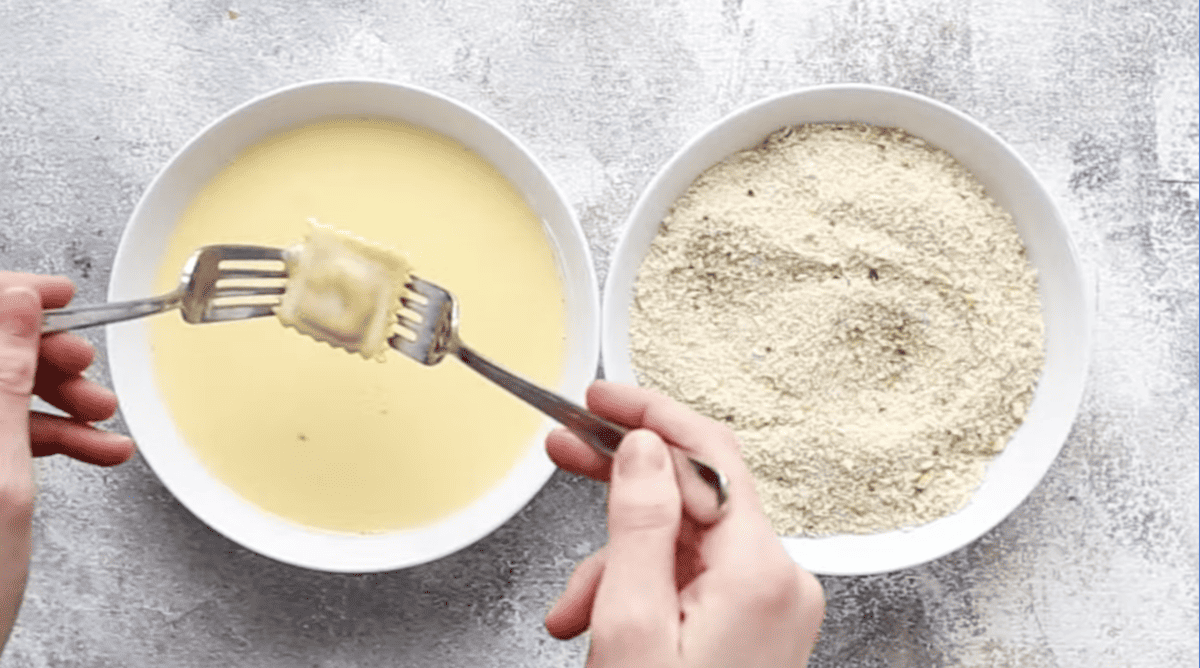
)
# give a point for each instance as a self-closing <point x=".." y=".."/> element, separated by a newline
<point x="52" y="367"/>
<point x="60" y="362"/>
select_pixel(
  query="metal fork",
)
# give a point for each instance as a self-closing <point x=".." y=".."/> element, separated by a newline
<point x="704" y="489"/>
<point x="207" y="291"/>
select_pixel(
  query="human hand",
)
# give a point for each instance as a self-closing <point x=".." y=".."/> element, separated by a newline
<point x="665" y="590"/>
<point x="51" y="367"/>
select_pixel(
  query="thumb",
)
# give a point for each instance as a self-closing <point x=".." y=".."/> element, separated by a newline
<point x="20" y="335"/>
<point x="635" y="620"/>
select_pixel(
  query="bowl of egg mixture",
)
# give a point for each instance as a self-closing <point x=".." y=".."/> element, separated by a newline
<point x="298" y="448"/>
<point x="878" y="296"/>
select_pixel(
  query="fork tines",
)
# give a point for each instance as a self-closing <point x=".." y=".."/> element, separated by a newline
<point x="246" y="286"/>
<point x="239" y="277"/>
<point x="414" y="308"/>
<point x="427" y="322"/>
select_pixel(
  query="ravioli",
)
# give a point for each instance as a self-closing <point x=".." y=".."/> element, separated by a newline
<point x="343" y="290"/>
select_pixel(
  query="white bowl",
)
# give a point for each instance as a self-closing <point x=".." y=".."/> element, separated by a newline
<point x="144" y="242"/>
<point x="1015" y="472"/>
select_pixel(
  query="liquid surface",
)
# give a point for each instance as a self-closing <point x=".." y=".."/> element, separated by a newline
<point x="323" y="437"/>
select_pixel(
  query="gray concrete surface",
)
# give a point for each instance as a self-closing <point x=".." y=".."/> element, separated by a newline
<point x="1098" y="568"/>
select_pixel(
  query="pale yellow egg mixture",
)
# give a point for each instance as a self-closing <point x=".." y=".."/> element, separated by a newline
<point x="318" y="435"/>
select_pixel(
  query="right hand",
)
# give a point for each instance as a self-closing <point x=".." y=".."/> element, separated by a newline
<point x="667" y="591"/>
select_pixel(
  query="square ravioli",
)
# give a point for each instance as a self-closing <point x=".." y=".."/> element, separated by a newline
<point x="343" y="290"/>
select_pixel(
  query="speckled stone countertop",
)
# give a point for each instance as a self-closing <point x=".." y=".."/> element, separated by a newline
<point x="1097" y="568"/>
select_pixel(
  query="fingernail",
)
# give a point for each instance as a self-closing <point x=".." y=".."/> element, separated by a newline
<point x="641" y="455"/>
<point x="117" y="448"/>
<point x="113" y="437"/>
<point x="17" y="308"/>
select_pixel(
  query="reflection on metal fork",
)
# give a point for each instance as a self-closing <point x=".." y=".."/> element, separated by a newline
<point x="218" y="283"/>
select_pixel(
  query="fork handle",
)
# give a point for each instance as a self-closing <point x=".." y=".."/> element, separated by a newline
<point x="703" y="488"/>
<point x="77" y="317"/>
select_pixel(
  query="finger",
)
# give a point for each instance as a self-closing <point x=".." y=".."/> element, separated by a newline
<point x="67" y="353"/>
<point x="640" y="407"/>
<point x="81" y="398"/>
<point x="635" y="620"/>
<point x="746" y="568"/>
<point x="572" y="612"/>
<point x="20" y="328"/>
<point x="52" y="435"/>
<point x="712" y="442"/>
<point x="812" y="606"/>
<point x="689" y="559"/>
<point x="784" y="606"/>
<point x="54" y="291"/>
<point x="737" y="545"/>
<point x="570" y="453"/>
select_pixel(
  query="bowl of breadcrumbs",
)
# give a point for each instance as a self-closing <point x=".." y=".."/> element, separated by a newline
<point x="876" y="294"/>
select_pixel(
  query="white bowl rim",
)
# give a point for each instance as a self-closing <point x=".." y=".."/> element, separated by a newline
<point x="1055" y="404"/>
<point x="224" y="510"/>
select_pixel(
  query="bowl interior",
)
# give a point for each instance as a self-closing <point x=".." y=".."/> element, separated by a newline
<point x="144" y="242"/>
<point x="1008" y="180"/>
